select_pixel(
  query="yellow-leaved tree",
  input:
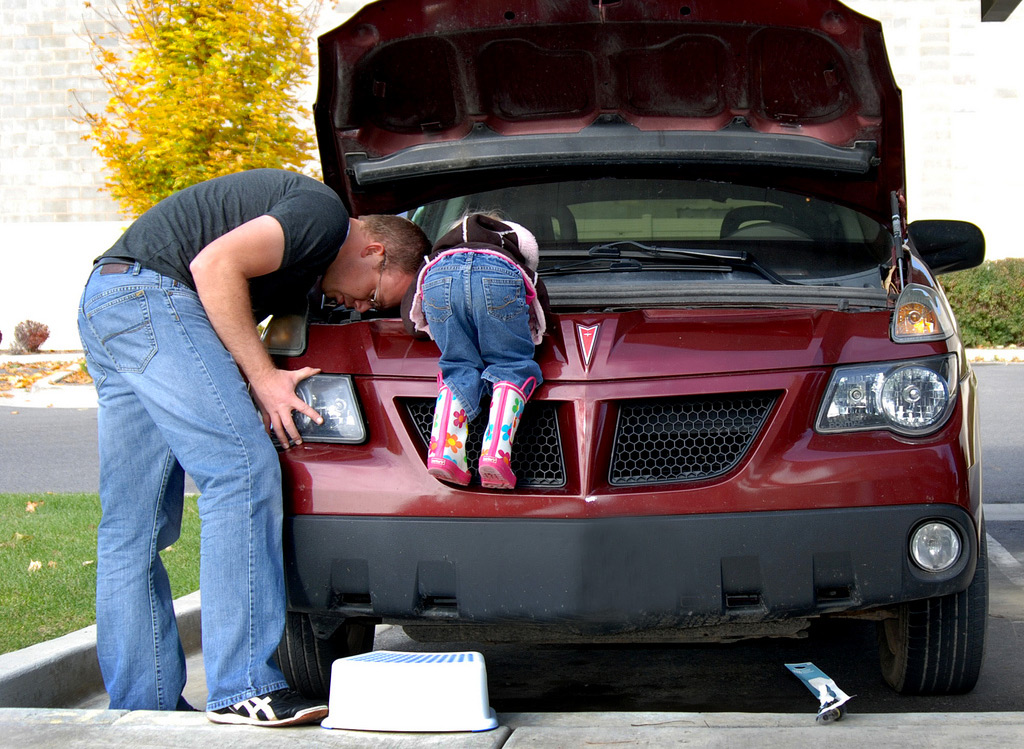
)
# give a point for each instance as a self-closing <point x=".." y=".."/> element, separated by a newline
<point x="198" y="89"/>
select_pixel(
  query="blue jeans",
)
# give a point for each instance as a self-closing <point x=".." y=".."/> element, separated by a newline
<point x="171" y="399"/>
<point x="475" y="305"/>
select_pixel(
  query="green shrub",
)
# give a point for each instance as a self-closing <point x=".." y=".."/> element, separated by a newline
<point x="989" y="303"/>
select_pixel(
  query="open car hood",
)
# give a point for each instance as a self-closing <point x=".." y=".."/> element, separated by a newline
<point x="421" y="100"/>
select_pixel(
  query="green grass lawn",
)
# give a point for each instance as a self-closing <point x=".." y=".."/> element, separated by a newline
<point x="48" y="564"/>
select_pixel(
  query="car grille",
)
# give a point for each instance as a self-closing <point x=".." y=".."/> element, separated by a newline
<point x="536" y="456"/>
<point x="685" y="439"/>
<point x="656" y="441"/>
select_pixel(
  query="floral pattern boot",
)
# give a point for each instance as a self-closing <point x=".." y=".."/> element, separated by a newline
<point x="446" y="456"/>
<point x="507" y="404"/>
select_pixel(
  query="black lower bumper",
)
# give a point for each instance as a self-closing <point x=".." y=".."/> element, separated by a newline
<point x="616" y="574"/>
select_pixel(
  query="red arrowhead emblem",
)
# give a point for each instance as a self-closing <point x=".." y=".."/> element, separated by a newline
<point x="587" y="335"/>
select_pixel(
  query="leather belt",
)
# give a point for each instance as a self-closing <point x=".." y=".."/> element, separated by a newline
<point x="108" y="268"/>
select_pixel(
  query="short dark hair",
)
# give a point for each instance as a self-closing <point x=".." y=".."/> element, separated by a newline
<point x="404" y="242"/>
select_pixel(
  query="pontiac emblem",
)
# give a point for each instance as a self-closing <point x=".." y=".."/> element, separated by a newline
<point x="587" y="335"/>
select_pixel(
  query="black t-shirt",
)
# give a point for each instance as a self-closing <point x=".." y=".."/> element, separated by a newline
<point x="168" y="236"/>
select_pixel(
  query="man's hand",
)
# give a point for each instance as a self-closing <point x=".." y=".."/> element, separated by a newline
<point x="274" y="393"/>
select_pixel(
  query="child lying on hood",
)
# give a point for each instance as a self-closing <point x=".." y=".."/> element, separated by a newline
<point x="478" y="296"/>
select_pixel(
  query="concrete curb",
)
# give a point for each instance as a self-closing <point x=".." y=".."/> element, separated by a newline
<point x="61" y="672"/>
<point x="995" y="355"/>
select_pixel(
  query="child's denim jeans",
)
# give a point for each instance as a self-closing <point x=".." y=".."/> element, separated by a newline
<point x="475" y="304"/>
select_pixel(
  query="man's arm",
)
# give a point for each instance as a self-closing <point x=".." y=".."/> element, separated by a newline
<point x="221" y="272"/>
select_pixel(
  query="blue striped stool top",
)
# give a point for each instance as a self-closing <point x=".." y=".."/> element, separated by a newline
<point x="387" y="656"/>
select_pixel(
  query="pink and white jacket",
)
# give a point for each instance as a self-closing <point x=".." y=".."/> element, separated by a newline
<point x="481" y="233"/>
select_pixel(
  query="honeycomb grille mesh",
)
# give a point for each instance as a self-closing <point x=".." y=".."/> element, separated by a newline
<point x="536" y="456"/>
<point x="685" y="439"/>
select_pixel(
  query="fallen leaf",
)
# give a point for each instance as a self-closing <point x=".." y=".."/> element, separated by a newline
<point x="87" y="562"/>
<point x="35" y="565"/>
<point x="51" y="564"/>
<point x="14" y="540"/>
<point x="31" y="506"/>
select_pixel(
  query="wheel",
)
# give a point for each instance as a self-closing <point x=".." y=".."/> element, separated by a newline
<point x="936" y="646"/>
<point x="306" y="659"/>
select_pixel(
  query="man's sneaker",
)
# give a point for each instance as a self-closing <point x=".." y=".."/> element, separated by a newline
<point x="285" y="707"/>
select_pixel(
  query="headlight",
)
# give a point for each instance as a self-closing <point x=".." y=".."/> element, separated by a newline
<point x="334" y="398"/>
<point x="935" y="546"/>
<point x="909" y="397"/>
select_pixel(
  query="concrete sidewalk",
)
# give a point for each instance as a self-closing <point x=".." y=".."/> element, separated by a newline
<point x="37" y="681"/>
<point x="69" y="729"/>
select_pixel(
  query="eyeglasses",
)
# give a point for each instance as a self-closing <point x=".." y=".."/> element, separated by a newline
<point x="374" y="303"/>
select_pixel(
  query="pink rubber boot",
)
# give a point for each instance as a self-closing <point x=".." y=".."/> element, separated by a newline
<point x="446" y="456"/>
<point x="507" y="404"/>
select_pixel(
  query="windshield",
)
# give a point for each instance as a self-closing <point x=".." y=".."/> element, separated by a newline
<point x="631" y="234"/>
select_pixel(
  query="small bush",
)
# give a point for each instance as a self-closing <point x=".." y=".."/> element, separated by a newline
<point x="29" y="335"/>
<point x="989" y="303"/>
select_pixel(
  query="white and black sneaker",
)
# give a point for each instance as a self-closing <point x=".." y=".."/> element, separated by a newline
<point x="285" y="707"/>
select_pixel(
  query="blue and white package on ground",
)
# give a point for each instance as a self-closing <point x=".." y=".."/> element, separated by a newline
<point x="388" y="690"/>
<point x="831" y="699"/>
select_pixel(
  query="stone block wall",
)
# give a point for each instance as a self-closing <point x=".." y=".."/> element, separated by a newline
<point x="47" y="172"/>
<point x="963" y="94"/>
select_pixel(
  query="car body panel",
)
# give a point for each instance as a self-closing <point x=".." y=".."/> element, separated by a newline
<point x="788" y="467"/>
<point x="494" y="78"/>
<point x="649" y="354"/>
<point x="686" y="343"/>
<point x="597" y="577"/>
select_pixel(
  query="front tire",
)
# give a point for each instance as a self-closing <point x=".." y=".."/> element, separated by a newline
<point x="306" y="659"/>
<point x="936" y="646"/>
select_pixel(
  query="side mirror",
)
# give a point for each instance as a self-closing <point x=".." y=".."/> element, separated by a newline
<point x="948" y="246"/>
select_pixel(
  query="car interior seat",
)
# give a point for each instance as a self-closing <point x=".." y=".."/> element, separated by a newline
<point x="761" y="222"/>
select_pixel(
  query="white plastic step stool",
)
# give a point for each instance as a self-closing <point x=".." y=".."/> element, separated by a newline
<point x="388" y="690"/>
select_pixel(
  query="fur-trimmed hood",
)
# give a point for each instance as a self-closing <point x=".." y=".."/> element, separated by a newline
<point x="482" y="233"/>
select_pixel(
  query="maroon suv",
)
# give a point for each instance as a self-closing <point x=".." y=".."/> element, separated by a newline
<point x="756" y="411"/>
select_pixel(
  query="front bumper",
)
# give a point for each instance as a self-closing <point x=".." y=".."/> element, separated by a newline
<point x="609" y="575"/>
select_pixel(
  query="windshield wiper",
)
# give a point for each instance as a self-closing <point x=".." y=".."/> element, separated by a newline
<point x="733" y="259"/>
<point x="594" y="265"/>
